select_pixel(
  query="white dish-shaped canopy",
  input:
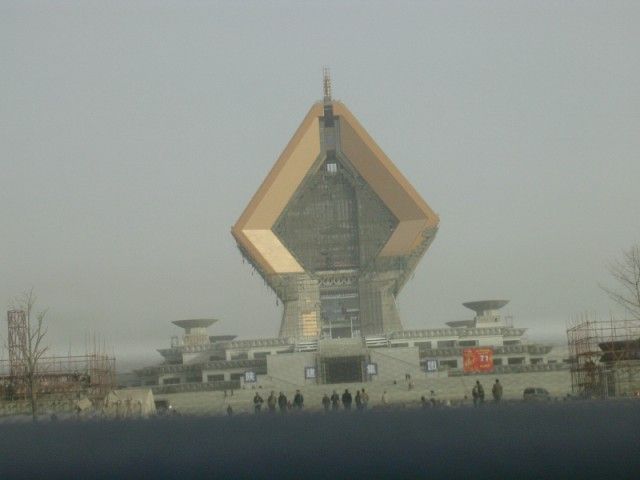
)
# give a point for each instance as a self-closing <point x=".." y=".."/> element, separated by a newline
<point x="481" y="306"/>
<point x="195" y="323"/>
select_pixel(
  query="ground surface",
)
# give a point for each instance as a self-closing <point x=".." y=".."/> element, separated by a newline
<point x="452" y="389"/>
<point x="563" y="440"/>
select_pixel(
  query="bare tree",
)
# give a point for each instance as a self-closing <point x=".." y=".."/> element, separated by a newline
<point x="32" y="348"/>
<point x="626" y="272"/>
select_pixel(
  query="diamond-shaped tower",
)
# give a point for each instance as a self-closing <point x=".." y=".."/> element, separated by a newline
<point x="335" y="229"/>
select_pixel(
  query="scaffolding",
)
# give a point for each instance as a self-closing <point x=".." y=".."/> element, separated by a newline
<point x="92" y="375"/>
<point x="17" y="340"/>
<point x="605" y="357"/>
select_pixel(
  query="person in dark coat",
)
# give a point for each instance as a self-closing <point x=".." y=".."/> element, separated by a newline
<point x="496" y="391"/>
<point x="478" y="393"/>
<point x="335" y="401"/>
<point x="272" y="402"/>
<point x="257" y="403"/>
<point x="282" y="402"/>
<point x="326" y="402"/>
<point x="346" y="399"/>
<point x="358" y="400"/>
<point x="298" y="400"/>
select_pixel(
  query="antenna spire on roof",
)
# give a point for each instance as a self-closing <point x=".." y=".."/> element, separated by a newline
<point x="326" y="84"/>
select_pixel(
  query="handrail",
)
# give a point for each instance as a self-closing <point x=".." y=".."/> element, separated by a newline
<point x="506" y="369"/>
<point x="196" y="387"/>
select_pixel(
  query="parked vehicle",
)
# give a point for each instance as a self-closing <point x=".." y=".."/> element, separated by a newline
<point x="536" y="394"/>
<point x="164" y="408"/>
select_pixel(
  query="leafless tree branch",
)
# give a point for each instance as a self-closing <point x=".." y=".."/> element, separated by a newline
<point x="32" y="349"/>
<point x="626" y="273"/>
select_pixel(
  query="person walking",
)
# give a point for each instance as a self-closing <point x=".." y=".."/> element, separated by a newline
<point x="496" y="391"/>
<point x="385" y="399"/>
<point x="272" y="402"/>
<point x="346" y="399"/>
<point x="480" y="392"/>
<point x="365" y="399"/>
<point x="358" y="400"/>
<point x="298" y="400"/>
<point x="335" y="401"/>
<point x="475" y="395"/>
<point x="326" y="402"/>
<point x="257" y="403"/>
<point x="282" y="402"/>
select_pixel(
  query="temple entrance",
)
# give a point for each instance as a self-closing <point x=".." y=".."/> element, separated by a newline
<point x="343" y="369"/>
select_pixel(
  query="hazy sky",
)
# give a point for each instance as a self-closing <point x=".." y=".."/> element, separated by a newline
<point x="133" y="134"/>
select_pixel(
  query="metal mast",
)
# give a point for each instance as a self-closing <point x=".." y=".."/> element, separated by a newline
<point x="326" y="85"/>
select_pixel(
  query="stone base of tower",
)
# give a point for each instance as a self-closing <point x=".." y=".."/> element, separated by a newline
<point x="301" y="316"/>
<point x="378" y="310"/>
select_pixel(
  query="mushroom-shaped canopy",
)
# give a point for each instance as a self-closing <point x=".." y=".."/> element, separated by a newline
<point x="195" y="323"/>
<point x="483" y="305"/>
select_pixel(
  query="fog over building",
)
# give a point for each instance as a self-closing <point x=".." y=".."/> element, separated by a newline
<point x="135" y="134"/>
<point x="336" y="231"/>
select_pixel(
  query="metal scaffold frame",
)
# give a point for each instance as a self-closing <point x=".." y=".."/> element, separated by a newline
<point x="92" y="375"/>
<point x="605" y="357"/>
<point x="17" y="340"/>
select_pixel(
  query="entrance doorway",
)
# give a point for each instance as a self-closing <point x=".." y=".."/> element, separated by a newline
<point x="343" y="369"/>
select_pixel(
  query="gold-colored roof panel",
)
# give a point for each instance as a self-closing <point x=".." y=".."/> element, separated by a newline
<point x="413" y="214"/>
<point x="273" y="251"/>
<point x="286" y="175"/>
<point x="380" y="172"/>
<point x="253" y="230"/>
<point x="404" y="238"/>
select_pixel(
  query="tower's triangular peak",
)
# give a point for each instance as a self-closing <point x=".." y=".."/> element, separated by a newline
<point x="335" y="228"/>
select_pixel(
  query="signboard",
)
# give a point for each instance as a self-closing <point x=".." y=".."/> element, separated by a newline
<point x="372" y="368"/>
<point x="309" y="372"/>
<point x="477" y="359"/>
<point x="432" y="365"/>
<point x="250" y="377"/>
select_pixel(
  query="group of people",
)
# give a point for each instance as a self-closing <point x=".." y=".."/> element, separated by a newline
<point x="334" y="401"/>
<point x="345" y="401"/>
<point x="477" y="393"/>
<point x="279" y="402"/>
<point x="329" y="403"/>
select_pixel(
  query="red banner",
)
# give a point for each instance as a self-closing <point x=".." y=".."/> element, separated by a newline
<point x="477" y="359"/>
